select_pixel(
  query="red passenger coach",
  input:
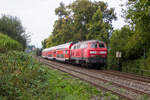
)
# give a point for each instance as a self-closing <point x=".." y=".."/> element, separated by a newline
<point x="45" y="53"/>
<point x="63" y="51"/>
<point x="60" y="52"/>
<point x="89" y="52"/>
<point x="49" y="53"/>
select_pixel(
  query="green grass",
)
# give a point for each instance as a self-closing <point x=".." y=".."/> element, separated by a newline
<point x="66" y="87"/>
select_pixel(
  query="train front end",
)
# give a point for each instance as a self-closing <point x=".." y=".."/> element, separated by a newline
<point x="97" y="53"/>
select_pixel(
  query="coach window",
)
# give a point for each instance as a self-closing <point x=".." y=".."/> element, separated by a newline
<point x="81" y="46"/>
<point x="86" y="45"/>
<point x="94" y="45"/>
<point x="75" y="47"/>
<point x="78" y="46"/>
<point x="66" y="51"/>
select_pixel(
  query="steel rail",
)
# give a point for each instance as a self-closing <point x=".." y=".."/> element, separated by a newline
<point x="126" y="75"/>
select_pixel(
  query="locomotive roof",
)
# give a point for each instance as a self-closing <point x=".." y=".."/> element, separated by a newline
<point x="90" y="41"/>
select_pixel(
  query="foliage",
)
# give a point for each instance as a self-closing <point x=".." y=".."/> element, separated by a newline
<point x="118" y="42"/>
<point x="138" y="16"/>
<point x="12" y="27"/>
<point x="21" y="78"/>
<point x="82" y="20"/>
<point x="44" y="44"/>
<point x="7" y="43"/>
<point x="134" y="41"/>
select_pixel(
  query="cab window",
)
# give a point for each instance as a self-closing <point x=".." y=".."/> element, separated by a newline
<point x="93" y="45"/>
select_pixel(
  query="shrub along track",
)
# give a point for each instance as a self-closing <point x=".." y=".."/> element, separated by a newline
<point x="118" y="85"/>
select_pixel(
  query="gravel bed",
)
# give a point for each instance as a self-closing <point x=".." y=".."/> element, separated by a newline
<point x="138" y="85"/>
<point x="127" y="75"/>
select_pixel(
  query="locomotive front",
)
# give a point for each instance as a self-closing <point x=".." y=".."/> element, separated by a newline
<point x="97" y="53"/>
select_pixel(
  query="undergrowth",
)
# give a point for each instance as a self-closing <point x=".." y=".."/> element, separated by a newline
<point x="21" y="78"/>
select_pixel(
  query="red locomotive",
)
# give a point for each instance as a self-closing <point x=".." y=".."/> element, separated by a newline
<point x="91" y="52"/>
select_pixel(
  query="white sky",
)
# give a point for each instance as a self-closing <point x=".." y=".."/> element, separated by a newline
<point x="38" y="16"/>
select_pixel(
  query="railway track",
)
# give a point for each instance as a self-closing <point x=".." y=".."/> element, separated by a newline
<point x="102" y="80"/>
<point x="127" y="75"/>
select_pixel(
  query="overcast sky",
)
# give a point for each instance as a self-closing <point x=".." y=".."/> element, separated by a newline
<point x="38" y="16"/>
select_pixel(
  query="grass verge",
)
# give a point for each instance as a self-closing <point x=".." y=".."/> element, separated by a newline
<point x="66" y="87"/>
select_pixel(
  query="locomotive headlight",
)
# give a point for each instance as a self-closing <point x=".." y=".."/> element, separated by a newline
<point x="102" y="52"/>
<point x="92" y="52"/>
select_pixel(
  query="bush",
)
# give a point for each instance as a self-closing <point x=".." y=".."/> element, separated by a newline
<point x="21" y="77"/>
<point x="6" y="44"/>
<point x="117" y="43"/>
<point x="126" y="41"/>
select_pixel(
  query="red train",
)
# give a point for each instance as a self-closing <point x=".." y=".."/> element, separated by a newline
<point x="87" y="53"/>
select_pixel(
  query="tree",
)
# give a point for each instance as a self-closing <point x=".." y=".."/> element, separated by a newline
<point x="44" y="44"/>
<point x="138" y="15"/>
<point x="98" y="29"/>
<point x="12" y="27"/>
<point x="93" y="19"/>
<point x="82" y="20"/>
<point x="133" y="41"/>
<point x="118" y="42"/>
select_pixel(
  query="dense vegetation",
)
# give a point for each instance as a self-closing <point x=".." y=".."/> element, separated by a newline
<point x="7" y="43"/>
<point x="81" y="20"/>
<point x="21" y="77"/>
<point x="133" y="40"/>
<point x="12" y="27"/>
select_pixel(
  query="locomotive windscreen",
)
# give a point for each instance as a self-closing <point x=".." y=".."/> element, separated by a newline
<point x="97" y="45"/>
<point x="94" y="45"/>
